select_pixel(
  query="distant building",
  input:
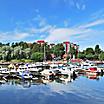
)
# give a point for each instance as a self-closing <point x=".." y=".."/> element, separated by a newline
<point x="67" y="47"/>
<point x="41" y="42"/>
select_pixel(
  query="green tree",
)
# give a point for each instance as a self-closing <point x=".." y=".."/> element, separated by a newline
<point x="8" y="44"/>
<point x="17" y="52"/>
<point x="97" y="52"/>
<point x="101" y="56"/>
<point x="1" y="56"/>
<point x="90" y="56"/>
<point x="36" y="48"/>
<point x="89" y="51"/>
<point x="24" y="45"/>
<point x="97" y="49"/>
<point x="6" y="53"/>
<point x="47" y="52"/>
<point x="37" y="56"/>
<point x="81" y="55"/>
<point x="58" y="50"/>
<point x="72" y="51"/>
<point x="1" y="44"/>
<point x="27" y="52"/>
<point x="96" y="56"/>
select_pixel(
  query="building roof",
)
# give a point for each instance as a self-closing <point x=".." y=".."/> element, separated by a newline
<point x="40" y="41"/>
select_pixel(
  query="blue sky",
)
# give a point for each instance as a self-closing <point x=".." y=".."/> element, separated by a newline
<point x="77" y="21"/>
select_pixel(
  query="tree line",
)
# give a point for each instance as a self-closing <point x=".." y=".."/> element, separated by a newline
<point x="92" y="54"/>
<point x="29" y="51"/>
<point x="35" y="52"/>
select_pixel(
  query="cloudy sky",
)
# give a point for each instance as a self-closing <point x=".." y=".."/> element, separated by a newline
<point x="77" y="21"/>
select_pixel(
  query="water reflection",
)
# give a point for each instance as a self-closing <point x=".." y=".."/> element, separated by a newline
<point x="92" y="76"/>
<point x="40" y="81"/>
<point x="61" y="90"/>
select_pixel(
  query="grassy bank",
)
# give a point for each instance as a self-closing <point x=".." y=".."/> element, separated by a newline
<point x="18" y="61"/>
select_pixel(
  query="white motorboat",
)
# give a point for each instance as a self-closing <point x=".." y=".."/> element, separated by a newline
<point x="47" y="73"/>
<point x="90" y="67"/>
<point x="4" y="70"/>
<point x="33" y="68"/>
<point x="25" y="75"/>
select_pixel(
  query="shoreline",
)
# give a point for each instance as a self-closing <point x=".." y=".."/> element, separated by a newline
<point x="49" y="62"/>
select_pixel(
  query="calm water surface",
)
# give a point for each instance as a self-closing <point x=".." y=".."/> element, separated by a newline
<point x="82" y="90"/>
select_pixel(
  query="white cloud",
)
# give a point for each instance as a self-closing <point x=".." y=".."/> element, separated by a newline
<point x="78" y="4"/>
<point x="91" y="38"/>
<point x="62" y="34"/>
<point x="13" y="36"/>
<point x="19" y="36"/>
<point x="44" y="29"/>
<point x="98" y="14"/>
<point x="79" y="33"/>
<point x="94" y="23"/>
<point x="82" y="32"/>
<point x="41" y="20"/>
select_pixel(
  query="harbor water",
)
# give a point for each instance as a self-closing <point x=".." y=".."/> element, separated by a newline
<point x="82" y="90"/>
